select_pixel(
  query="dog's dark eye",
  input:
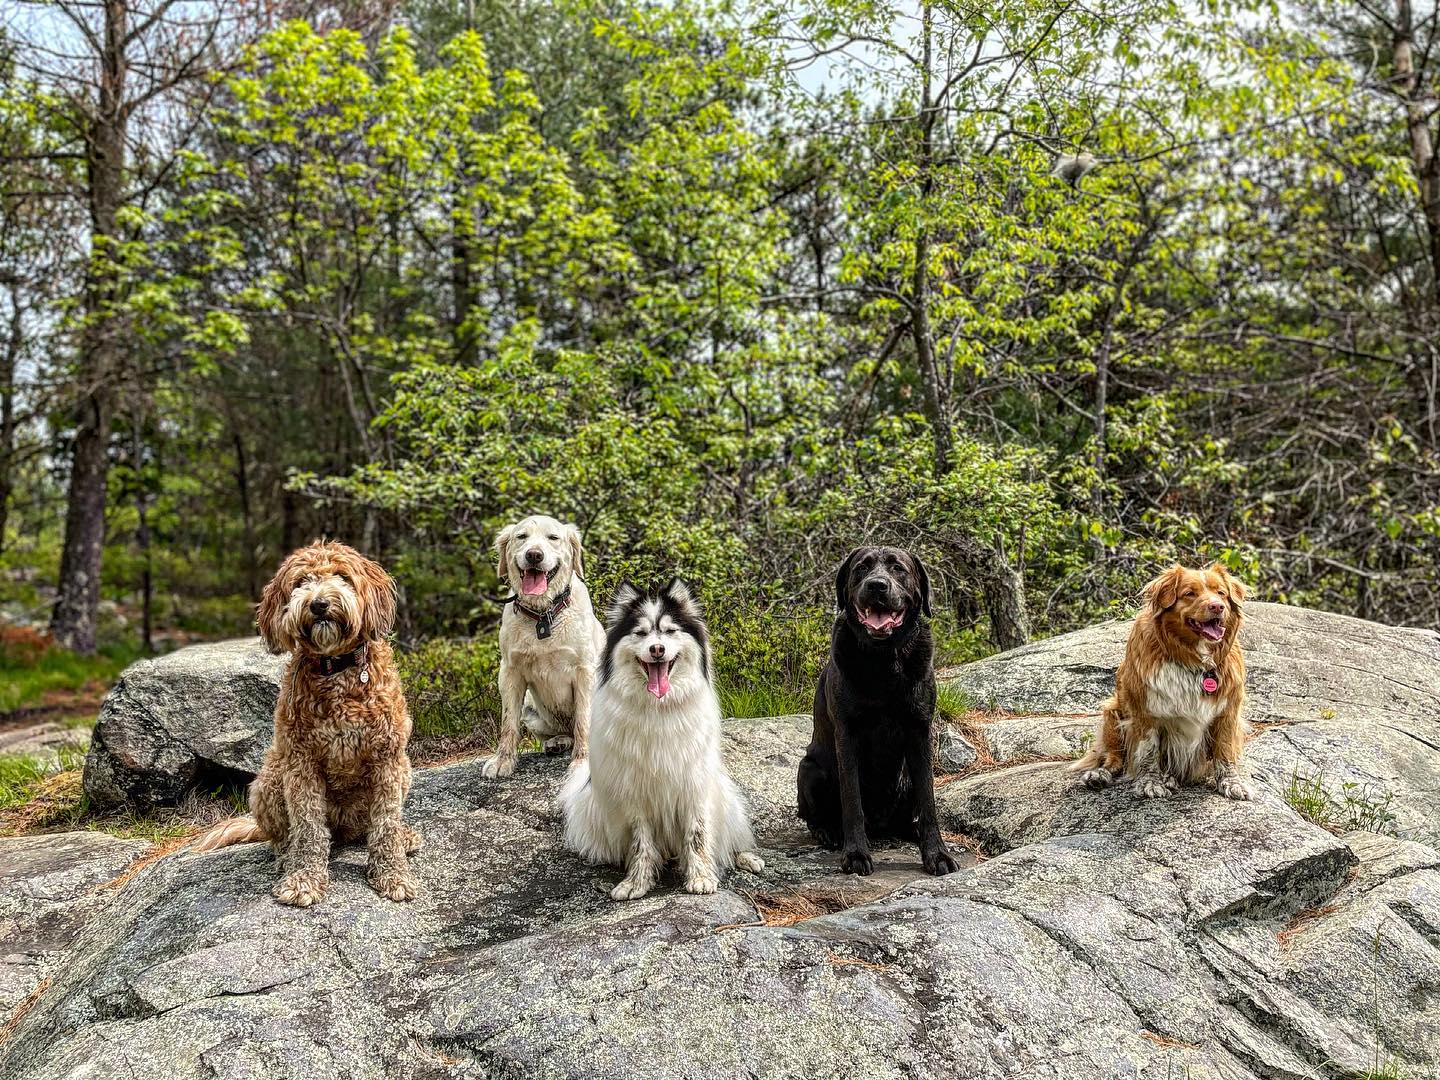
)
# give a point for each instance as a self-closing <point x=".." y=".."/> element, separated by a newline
<point x="521" y="536"/>
<point x="1189" y="592"/>
<point x="554" y="537"/>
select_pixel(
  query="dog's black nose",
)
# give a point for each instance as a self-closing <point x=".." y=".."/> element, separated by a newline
<point x="878" y="585"/>
<point x="534" y="556"/>
<point x="657" y="652"/>
<point x="319" y="606"/>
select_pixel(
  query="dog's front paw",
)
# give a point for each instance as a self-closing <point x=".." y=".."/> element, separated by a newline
<point x="302" y="888"/>
<point x="397" y="887"/>
<point x="857" y="861"/>
<point x="703" y="882"/>
<point x="1098" y="777"/>
<point x="558" y="745"/>
<point x="413" y="840"/>
<point x="498" y="767"/>
<point x="1155" y="787"/>
<point x="938" y="861"/>
<point x="630" y="889"/>
<point x="1233" y="787"/>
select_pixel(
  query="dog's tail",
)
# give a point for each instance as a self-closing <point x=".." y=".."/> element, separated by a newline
<point x="235" y="830"/>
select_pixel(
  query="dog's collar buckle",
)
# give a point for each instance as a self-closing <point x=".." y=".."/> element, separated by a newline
<point x="545" y="621"/>
<point x="1210" y="682"/>
<point x="326" y="666"/>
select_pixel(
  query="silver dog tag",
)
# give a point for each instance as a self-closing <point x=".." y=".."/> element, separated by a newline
<point x="364" y="675"/>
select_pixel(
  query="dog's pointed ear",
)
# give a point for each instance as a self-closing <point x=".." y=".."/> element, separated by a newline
<point x="378" y="598"/>
<point x="680" y="595"/>
<point x="842" y="582"/>
<point x="1162" y="593"/>
<point x="268" y="614"/>
<point x="1234" y="584"/>
<point x="577" y="551"/>
<point x="502" y="552"/>
<point x="924" y="576"/>
<point x="625" y="596"/>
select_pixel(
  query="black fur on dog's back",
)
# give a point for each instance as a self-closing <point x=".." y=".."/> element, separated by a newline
<point x="867" y="772"/>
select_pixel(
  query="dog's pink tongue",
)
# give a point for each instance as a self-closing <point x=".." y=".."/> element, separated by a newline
<point x="657" y="678"/>
<point x="532" y="582"/>
<point x="881" y="620"/>
<point x="1213" y="630"/>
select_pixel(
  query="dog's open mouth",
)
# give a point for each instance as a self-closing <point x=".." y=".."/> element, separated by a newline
<point x="657" y="676"/>
<point x="1214" y="629"/>
<point x="880" y="623"/>
<point x="535" y="582"/>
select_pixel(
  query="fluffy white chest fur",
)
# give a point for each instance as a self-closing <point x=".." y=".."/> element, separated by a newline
<point x="1183" y="713"/>
<point x="657" y="763"/>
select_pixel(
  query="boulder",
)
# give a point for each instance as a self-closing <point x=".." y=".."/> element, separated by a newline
<point x="1349" y="706"/>
<point x="1107" y="936"/>
<point x="1087" y="934"/>
<point x="198" y="717"/>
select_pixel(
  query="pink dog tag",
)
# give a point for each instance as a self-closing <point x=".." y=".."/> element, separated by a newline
<point x="1210" y="683"/>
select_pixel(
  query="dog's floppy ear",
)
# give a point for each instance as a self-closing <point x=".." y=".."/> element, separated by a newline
<point x="842" y="582"/>
<point x="1163" y="591"/>
<point x="267" y="615"/>
<point x="377" y="597"/>
<point x="577" y="551"/>
<point x="625" y="595"/>
<point x="502" y="552"/>
<point x="1234" y="584"/>
<point x="924" y="576"/>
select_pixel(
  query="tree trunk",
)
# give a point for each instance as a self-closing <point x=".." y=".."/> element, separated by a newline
<point x="9" y="361"/>
<point x="937" y="398"/>
<point x="1422" y="148"/>
<point x="73" y="620"/>
<point x="247" y="520"/>
<point x="1000" y="584"/>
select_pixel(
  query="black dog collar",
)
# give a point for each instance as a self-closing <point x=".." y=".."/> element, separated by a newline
<point x="544" y="622"/>
<point x="326" y="666"/>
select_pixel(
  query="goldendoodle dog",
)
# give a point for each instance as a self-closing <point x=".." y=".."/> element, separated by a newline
<point x="338" y="766"/>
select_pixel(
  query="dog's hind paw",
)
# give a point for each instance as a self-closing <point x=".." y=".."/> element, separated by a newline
<point x="748" y="860"/>
<point x="498" y="768"/>
<point x="1098" y="777"/>
<point x="629" y="889"/>
<point x="397" y="887"/>
<point x="1155" y="787"/>
<point x="302" y="888"/>
<point x="1232" y="787"/>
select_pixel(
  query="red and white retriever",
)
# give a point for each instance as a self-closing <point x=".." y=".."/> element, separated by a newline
<point x="1175" y="715"/>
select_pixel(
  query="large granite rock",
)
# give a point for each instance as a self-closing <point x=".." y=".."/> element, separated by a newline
<point x="50" y="887"/>
<point x="1351" y="705"/>
<point x="1102" y="936"/>
<point x="197" y="717"/>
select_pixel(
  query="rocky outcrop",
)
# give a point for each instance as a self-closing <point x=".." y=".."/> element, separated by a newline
<point x="50" y="887"/>
<point x="198" y="717"/>
<point x="1088" y="935"/>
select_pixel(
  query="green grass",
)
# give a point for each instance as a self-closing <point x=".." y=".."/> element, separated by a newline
<point x="1357" y="807"/>
<point x="751" y="701"/>
<point x="20" y="774"/>
<point x="24" y="684"/>
<point x="951" y="702"/>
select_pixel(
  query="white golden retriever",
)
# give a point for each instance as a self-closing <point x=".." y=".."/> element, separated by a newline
<point x="655" y="787"/>
<point x="550" y="641"/>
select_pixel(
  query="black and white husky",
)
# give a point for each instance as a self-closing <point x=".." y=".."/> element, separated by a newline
<point x="654" y="787"/>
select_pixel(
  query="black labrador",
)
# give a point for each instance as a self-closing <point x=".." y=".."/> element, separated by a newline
<point x="867" y="773"/>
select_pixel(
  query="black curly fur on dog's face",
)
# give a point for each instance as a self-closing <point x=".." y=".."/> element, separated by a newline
<point x="882" y="591"/>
